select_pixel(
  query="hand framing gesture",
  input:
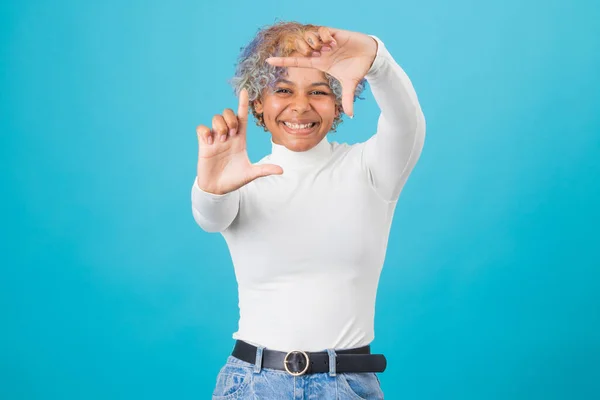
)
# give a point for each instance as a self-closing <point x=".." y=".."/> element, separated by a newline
<point x="345" y="55"/>
<point x="223" y="163"/>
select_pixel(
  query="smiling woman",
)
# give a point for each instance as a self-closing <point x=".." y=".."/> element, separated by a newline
<point x="306" y="262"/>
<point x="299" y="111"/>
<point x="260" y="78"/>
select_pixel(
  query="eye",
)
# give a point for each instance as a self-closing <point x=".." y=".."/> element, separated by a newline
<point x="320" y="92"/>
<point x="281" y="90"/>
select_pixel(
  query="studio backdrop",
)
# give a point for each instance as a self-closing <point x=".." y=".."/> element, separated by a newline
<point x="109" y="290"/>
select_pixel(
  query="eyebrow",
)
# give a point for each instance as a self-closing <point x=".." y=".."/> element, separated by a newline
<point x="311" y="85"/>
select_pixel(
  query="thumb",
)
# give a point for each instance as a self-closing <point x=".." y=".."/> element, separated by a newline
<point x="261" y="170"/>
<point x="348" y="90"/>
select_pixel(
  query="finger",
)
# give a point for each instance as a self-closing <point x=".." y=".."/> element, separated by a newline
<point x="231" y="121"/>
<point x="299" y="62"/>
<point x="242" y="114"/>
<point x="219" y="128"/>
<point x="326" y="36"/>
<point x="303" y="48"/>
<point x="261" y="170"/>
<point x="316" y="43"/>
<point x="312" y="38"/>
<point x="204" y="135"/>
<point x="348" y="90"/>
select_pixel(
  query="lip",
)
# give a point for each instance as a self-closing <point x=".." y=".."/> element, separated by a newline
<point x="300" y="121"/>
<point x="300" y="132"/>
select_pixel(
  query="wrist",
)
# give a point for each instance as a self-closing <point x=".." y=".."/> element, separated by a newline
<point x="372" y="52"/>
<point x="208" y="189"/>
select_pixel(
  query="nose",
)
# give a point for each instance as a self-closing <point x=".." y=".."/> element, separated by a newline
<point x="300" y="103"/>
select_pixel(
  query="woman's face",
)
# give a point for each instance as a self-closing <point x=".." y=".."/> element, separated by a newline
<point x="299" y="111"/>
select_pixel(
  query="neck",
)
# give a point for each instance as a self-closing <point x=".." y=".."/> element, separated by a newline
<point x="290" y="159"/>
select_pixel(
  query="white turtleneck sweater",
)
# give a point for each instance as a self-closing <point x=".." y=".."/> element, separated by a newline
<point x="308" y="246"/>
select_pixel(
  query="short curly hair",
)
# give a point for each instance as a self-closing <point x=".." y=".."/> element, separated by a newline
<point x="255" y="74"/>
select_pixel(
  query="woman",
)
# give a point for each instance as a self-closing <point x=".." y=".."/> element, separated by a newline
<point x="307" y="239"/>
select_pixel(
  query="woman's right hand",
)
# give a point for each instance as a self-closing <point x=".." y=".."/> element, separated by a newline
<point x="223" y="163"/>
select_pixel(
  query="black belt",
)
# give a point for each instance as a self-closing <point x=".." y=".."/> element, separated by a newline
<point x="299" y="362"/>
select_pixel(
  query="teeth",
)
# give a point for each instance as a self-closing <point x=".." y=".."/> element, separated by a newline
<point x="299" y="126"/>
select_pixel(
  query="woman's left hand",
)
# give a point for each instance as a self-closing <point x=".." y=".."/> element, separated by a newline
<point x="345" y="55"/>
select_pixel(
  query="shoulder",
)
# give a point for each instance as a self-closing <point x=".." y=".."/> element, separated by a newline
<point x="345" y="152"/>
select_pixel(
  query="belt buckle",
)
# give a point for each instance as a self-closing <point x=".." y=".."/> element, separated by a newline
<point x="286" y="362"/>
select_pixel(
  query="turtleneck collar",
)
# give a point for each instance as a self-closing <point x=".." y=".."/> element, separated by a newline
<point x="282" y="156"/>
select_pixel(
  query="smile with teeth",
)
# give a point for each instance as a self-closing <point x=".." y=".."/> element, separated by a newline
<point x="299" y="126"/>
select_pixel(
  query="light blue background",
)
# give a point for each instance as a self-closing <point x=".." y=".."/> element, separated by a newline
<point x="108" y="289"/>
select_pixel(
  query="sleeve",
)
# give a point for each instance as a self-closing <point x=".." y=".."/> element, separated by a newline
<point x="213" y="212"/>
<point x="391" y="153"/>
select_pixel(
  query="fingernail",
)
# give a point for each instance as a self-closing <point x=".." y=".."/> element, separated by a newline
<point x="333" y="43"/>
<point x="325" y="48"/>
<point x="223" y="138"/>
<point x="232" y="132"/>
<point x="316" y="54"/>
<point x="210" y="140"/>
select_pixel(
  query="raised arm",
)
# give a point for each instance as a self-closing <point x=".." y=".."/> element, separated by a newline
<point x="223" y="168"/>
<point x="390" y="155"/>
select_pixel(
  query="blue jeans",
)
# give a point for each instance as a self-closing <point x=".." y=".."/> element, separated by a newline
<point x="241" y="380"/>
